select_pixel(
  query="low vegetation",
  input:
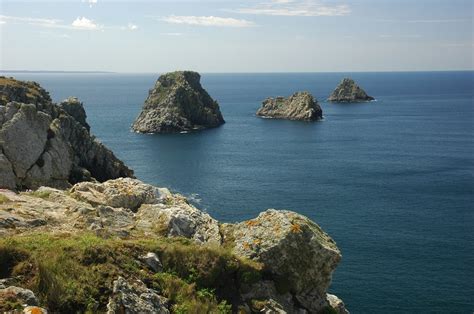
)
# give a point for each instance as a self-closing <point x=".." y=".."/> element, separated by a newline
<point x="75" y="273"/>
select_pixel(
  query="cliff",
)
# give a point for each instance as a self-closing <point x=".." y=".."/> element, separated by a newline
<point x="349" y="91"/>
<point x="178" y="103"/>
<point x="123" y="244"/>
<point x="42" y="143"/>
<point x="300" y="106"/>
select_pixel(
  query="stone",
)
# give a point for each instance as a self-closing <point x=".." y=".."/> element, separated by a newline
<point x="123" y="192"/>
<point x="179" y="219"/>
<point x="135" y="297"/>
<point x="336" y="304"/>
<point x="152" y="261"/>
<point x="349" y="91"/>
<point x="178" y="103"/>
<point x="297" y="253"/>
<point x="25" y="296"/>
<point x="75" y="108"/>
<point x="7" y="176"/>
<point x="299" y="106"/>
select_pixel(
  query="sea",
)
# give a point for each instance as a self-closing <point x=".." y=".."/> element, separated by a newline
<point x="391" y="180"/>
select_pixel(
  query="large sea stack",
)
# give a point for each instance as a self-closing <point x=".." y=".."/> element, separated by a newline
<point x="178" y="103"/>
<point x="299" y="106"/>
<point x="42" y="143"/>
<point x="349" y="91"/>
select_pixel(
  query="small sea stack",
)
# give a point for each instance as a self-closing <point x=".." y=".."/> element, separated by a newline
<point x="178" y="103"/>
<point x="349" y="91"/>
<point x="299" y="106"/>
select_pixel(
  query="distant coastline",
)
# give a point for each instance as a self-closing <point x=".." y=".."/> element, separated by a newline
<point x="41" y="71"/>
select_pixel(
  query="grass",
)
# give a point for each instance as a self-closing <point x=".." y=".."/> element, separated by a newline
<point x="4" y="199"/>
<point x="75" y="273"/>
<point x="40" y="194"/>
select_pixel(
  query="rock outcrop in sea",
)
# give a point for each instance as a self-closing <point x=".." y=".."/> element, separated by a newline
<point x="42" y="143"/>
<point x="178" y="103"/>
<point x="349" y="91"/>
<point x="300" y="106"/>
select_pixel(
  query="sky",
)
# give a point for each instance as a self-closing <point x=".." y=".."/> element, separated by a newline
<point x="237" y="36"/>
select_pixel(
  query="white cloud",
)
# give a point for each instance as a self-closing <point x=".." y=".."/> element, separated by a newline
<point x="85" y="23"/>
<point x="29" y="20"/>
<point x="295" y="8"/>
<point x="132" y="26"/>
<point x="208" y="21"/>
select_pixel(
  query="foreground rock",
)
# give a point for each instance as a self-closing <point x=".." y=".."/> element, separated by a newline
<point x="135" y="298"/>
<point x="178" y="103"/>
<point x="297" y="258"/>
<point x="349" y="91"/>
<point x="42" y="143"/>
<point x="300" y="106"/>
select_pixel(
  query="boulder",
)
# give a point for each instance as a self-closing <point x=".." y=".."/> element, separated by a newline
<point x="178" y="103"/>
<point x="349" y="91"/>
<point x="42" y="143"/>
<point x="25" y="296"/>
<point x="299" y="106"/>
<point x="135" y="297"/>
<point x="297" y="254"/>
<point x="152" y="261"/>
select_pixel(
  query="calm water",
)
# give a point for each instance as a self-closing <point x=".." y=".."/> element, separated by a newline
<point x="391" y="181"/>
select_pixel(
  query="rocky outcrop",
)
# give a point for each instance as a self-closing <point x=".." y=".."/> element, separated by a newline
<point x="42" y="143"/>
<point x="135" y="298"/>
<point x="178" y="103"/>
<point x="300" y="106"/>
<point x="271" y="239"/>
<point x="297" y="258"/>
<point x="349" y="91"/>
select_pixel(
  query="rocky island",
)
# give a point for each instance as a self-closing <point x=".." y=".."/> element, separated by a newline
<point x="178" y="103"/>
<point x="299" y="106"/>
<point x="349" y="91"/>
<point x="123" y="246"/>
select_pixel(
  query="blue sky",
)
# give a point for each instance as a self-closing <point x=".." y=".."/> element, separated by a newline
<point x="237" y="36"/>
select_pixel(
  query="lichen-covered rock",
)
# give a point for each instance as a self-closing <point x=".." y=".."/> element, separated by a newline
<point x="299" y="106"/>
<point x="178" y="218"/>
<point x="123" y="192"/>
<point x="296" y="252"/>
<point x="34" y="310"/>
<point x="135" y="297"/>
<point x="349" y="91"/>
<point x="178" y="103"/>
<point x="46" y="144"/>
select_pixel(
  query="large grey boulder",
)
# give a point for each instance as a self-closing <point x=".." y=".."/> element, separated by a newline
<point x="178" y="103"/>
<point x="299" y="106"/>
<point x="298" y="255"/>
<point x="349" y="91"/>
<point x="42" y="143"/>
<point x="134" y="297"/>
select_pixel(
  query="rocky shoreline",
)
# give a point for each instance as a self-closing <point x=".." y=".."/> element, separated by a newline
<point x="80" y="234"/>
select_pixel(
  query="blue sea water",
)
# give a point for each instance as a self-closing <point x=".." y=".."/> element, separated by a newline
<point x="391" y="181"/>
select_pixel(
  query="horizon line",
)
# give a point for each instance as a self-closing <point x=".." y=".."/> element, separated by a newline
<point x="223" y="72"/>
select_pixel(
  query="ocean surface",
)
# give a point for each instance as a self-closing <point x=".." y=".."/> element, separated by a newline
<point x="391" y="181"/>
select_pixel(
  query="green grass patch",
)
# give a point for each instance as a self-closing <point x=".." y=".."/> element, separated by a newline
<point x="40" y="194"/>
<point x="4" y="199"/>
<point x="75" y="273"/>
